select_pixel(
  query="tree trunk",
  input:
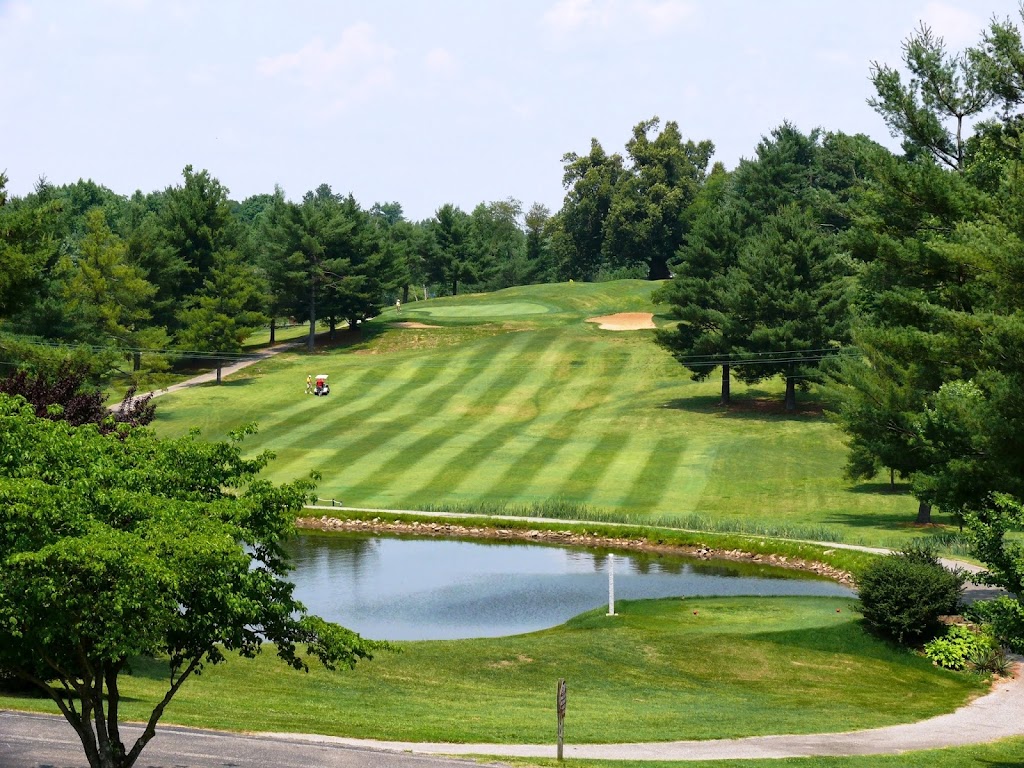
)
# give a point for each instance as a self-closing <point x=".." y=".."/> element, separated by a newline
<point x="455" y="287"/>
<point x="924" y="513"/>
<point x="311" y="341"/>
<point x="136" y="361"/>
<point x="892" y="478"/>
<point x="726" y="394"/>
<point x="218" y="371"/>
<point x="333" y="326"/>
<point x="790" y="390"/>
<point x="405" y="293"/>
<point x="658" y="269"/>
<point x="273" y="327"/>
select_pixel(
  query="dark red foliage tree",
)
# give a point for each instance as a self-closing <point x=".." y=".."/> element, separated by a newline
<point x="67" y="397"/>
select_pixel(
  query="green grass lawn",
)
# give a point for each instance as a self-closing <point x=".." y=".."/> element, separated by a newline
<point x="700" y="668"/>
<point x="1008" y="753"/>
<point x="515" y="399"/>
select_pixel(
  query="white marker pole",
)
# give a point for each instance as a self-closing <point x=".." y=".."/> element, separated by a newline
<point x="611" y="585"/>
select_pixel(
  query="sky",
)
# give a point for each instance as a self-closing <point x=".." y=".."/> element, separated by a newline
<point x="427" y="103"/>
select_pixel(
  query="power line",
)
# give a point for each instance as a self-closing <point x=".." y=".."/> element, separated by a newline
<point x="765" y="358"/>
<point x="170" y="352"/>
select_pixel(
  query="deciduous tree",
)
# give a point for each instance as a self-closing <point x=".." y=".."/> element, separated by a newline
<point x="111" y="550"/>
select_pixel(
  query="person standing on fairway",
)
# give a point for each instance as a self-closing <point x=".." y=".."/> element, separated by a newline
<point x="309" y="384"/>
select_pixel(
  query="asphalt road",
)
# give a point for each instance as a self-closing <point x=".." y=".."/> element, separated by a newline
<point x="43" y="741"/>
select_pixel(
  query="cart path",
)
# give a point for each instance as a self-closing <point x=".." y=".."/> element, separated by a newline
<point x="994" y="716"/>
<point x="991" y="717"/>
<point x="205" y="378"/>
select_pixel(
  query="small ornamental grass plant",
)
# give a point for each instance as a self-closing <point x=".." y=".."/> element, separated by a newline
<point x="902" y="595"/>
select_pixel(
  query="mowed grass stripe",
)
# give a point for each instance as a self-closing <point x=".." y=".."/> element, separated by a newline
<point x="505" y="371"/>
<point x="502" y="425"/>
<point x="687" y="483"/>
<point x="214" y="408"/>
<point x="608" y="469"/>
<point x="388" y="415"/>
<point x="381" y="383"/>
<point x="513" y="441"/>
<point x="283" y="420"/>
<point x="616" y="455"/>
<point x="541" y="468"/>
<point x="539" y="442"/>
<point x="651" y="483"/>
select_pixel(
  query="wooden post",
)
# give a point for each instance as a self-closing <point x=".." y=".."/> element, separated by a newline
<point x="561" y="715"/>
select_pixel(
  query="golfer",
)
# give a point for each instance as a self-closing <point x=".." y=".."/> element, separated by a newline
<point x="309" y="384"/>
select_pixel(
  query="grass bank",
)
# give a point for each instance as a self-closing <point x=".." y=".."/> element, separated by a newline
<point x="610" y="535"/>
<point x="700" y="668"/>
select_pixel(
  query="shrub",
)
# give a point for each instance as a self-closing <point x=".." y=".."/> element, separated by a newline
<point x="1005" y="617"/>
<point x="958" y="647"/>
<point x="902" y="595"/>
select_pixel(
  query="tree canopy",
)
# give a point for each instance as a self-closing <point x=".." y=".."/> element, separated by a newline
<point x="761" y="282"/>
<point x="114" y="549"/>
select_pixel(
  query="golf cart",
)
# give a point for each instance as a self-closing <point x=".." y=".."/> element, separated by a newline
<point x="321" y="387"/>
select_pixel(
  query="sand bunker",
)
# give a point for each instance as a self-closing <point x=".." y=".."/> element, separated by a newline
<point x="625" y="321"/>
<point x="412" y="324"/>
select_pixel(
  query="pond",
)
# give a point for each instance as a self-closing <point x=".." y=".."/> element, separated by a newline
<point x="399" y="588"/>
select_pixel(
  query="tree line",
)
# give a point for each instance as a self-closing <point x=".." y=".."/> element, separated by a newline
<point x="896" y="279"/>
<point x="188" y="268"/>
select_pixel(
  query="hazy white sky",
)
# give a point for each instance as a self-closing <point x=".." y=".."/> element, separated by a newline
<point x="461" y="101"/>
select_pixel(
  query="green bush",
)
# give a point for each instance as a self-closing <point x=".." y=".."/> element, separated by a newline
<point x="1005" y="616"/>
<point x="958" y="647"/>
<point x="902" y="595"/>
<point x="963" y="647"/>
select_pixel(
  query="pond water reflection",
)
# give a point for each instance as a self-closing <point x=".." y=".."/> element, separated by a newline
<point x="398" y="588"/>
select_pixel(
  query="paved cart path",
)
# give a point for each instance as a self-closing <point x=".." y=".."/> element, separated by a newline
<point x="205" y="378"/>
<point x="996" y="715"/>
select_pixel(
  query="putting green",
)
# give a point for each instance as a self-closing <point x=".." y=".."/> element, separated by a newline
<point x="482" y="311"/>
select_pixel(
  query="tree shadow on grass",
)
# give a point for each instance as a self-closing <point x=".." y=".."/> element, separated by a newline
<point x="882" y="488"/>
<point x="753" y="404"/>
<point x="665" y="316"/>
<point x="852" y="638"/>
<point x="21" y="690"/>
<point x="148" y="668"/>
<point x="895" y="521"/>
